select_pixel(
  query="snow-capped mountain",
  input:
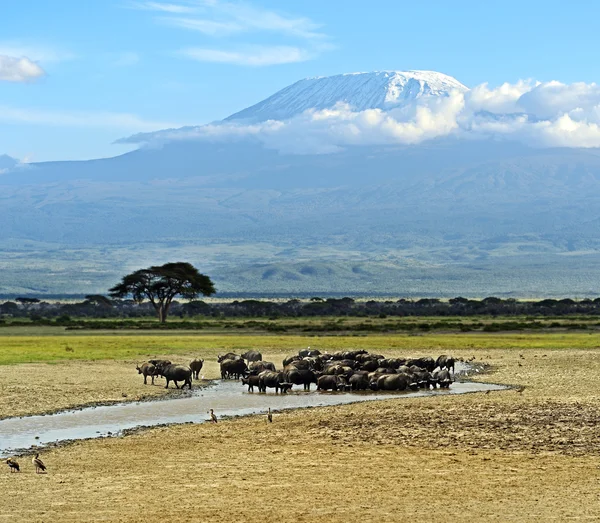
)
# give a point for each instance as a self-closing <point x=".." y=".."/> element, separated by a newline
<point x="376" y="90"/>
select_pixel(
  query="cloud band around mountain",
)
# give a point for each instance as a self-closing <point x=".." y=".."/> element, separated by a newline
<point x="550" y="114"/>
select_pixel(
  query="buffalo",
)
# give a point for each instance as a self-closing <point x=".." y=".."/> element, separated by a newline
<point x="159" y="364"/>
<point x="147" y="369"/>
<point x="176" y="373"/>
<point x="445" y="362"/>
<point x="301" y="377"/>
<point x="334" y="383"/>
<point x="229" y="356"/>
<point x="196" y="366"/>
<point x="233" y="369"/>
<point x="273" y="380"/>
<point x="359" y="380"/>
<point x="252" y="355"/>
<point x="442" y="378"/>
<point x="309" y="353"/>
<point x="391" y="382"/>
<point x="252" y="381"/>
<point x="425" y="363"/>
<point x="256" y="367"/>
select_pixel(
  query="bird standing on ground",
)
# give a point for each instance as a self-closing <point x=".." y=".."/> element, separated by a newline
<point x="14" y="466"/>
<point x="38" y="464"/>
<point x="213" y="417"/>
<point x="270" y="416"/>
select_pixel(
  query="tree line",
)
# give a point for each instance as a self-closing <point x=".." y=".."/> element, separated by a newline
<point x="99" y="306"/>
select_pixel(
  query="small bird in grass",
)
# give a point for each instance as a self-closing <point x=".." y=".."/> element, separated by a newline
<point x="270" y="416"/>
<point x="213" y="417"/>
<point x="14" y="466"/>
<point x="38" y="464"/>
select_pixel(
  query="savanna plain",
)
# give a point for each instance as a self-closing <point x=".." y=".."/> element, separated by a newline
<point x="528" y="453"/>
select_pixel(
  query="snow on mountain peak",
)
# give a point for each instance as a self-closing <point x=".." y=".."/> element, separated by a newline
<point x="376" y="90"/>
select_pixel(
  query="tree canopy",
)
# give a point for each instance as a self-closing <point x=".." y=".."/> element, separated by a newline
<point x="161" y="284"/>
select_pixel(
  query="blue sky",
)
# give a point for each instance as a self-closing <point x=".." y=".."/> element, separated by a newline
<point x="76" y="75"/>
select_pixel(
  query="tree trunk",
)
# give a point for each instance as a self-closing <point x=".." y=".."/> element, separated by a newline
<point x="162" y="313"/>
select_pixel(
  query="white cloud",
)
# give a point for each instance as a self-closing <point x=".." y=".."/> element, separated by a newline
<point x="208" y="27"/>
<point x="218" y="19"/>
<point x="109" y="120"/>
<point x="538" y="114"/>
<point x="250" y="56"/>
<point x="19" y="69"/>
<point x="224" y="18"/>
<point x="162" y="7"/>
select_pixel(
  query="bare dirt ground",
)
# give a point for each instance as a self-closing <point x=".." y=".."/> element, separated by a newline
<point x="531" y="454"/>
<point x="41" y="388"/>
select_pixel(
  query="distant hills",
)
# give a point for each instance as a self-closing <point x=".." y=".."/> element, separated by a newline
<point x="448" y="216"/>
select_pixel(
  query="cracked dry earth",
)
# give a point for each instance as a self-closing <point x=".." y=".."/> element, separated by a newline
<point x="532" y="455"/>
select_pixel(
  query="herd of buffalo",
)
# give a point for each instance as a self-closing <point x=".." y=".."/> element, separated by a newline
<point x="341" y="371"/>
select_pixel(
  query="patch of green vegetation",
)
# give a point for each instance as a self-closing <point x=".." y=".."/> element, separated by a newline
<point x="18" y="345"/>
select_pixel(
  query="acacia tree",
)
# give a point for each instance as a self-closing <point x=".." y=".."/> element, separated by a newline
<point x="160" y="284"/>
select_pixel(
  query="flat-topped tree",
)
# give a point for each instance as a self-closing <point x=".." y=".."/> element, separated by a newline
<point x="160" y="284"/>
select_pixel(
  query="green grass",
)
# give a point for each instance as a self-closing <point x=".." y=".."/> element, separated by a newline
<point x="25" y="345"/>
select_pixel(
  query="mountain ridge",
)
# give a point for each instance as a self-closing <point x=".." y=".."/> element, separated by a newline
<point x="262" y="219"/>
<point x="369" y="90"/>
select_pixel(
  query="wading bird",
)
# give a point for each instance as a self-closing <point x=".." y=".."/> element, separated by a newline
<point x="14" y="466"/>
<point x="270" y="416"/>
<point x="213" y="418"/>
<point x="38" y="464"/>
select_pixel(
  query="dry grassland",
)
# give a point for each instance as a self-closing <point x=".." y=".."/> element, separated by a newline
<point x="531" y="454"/>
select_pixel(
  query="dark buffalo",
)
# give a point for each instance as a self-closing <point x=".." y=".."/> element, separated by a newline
<point x="299" y="364"/>
<point x="423" y="377"/>
<point x="196" y="366"/>
<point x="256" y="367"/>
<point x="314" y="362"/>
<point x="273" y="380"/>
<point x="353" y="354"/>
<point x="159" y="364"/>
<point x="233" y="369"/>
<point x="290" y="359"/>
<point x="370" y="365"/>
<point x="147" y="369"/>
<point x="359" y="380"/>
<point x="393" y="363"/>
<point x="301" y="377"/>
<point x="445" y="362"/>
<point x="252" y="355"/>
<point x="391" y="382"/>
<point x="335" y="370"/>
<point x="332" y="383"/>
<point x="425" y="363"/>
<point x="176" y="373"/>
<point x="309" y="353"/>
<point x="229" y="356"/>
<point x="252" y="381"/>
<point x="442" y="378"/>
<point x="385" y="370"/>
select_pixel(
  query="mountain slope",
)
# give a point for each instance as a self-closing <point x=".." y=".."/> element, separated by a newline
<point x="262" y="219"/>
<point x="377" y="90"/>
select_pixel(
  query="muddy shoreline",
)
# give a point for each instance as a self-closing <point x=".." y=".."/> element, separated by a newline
<point x="330" y="401"/>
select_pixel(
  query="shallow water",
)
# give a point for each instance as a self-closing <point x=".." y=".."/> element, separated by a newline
<point x="227" y="398"/>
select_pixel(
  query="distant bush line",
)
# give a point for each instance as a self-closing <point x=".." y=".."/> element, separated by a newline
<point x="345" y="314"/>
